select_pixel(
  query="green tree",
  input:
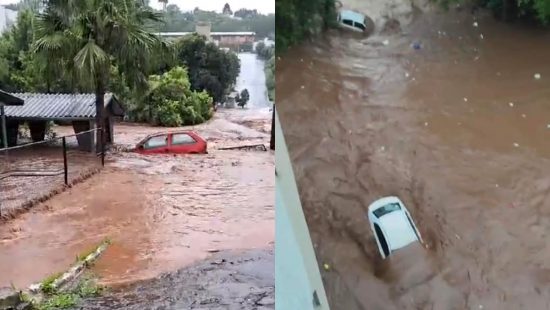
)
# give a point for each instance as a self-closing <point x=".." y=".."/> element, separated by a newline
<point x="243" y="98"/>
<point x="297" y="20"/>
<point x="91" y="36"/>
<point x="210" y="68"/>
<point x="171" y="102"/>
<point x="270" y="78"/>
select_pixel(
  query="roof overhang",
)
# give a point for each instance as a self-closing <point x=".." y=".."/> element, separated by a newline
<point x="9" y="99"/>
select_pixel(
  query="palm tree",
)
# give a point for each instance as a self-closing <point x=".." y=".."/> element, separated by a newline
<point x="90" y="36"/>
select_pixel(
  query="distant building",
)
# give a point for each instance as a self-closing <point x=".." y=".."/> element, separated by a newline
<point x="7" y="18"/>
<point x="237" y="41"/>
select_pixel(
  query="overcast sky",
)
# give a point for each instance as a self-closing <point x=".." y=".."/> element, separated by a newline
<point x="263" y="6"/>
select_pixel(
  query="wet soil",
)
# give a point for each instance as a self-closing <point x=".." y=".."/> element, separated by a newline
<point x="162" y="213"/>
<point x="457" y="128"/>
<point x="248" y="283"/>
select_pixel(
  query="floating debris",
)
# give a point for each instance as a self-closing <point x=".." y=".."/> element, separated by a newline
<point x="426" y="124"/>
<point x="511" y="104"/>
<point x="496" y="185"/>
<point x="516" y="145"/>
<point x="386" y="42"/>
<point x="481" y="36"/>
<point x="302" y="87"/>
<point x="407" y="74"/>
<point x="548" y="126"/>
<point x="383" y="148"/>
<point x="537" y="76"/>
<point x="523" y="115"/>
<point x="465" y="99"/>
<point x="301" y="60"/>
<point x="475" y="24"/>
<point x="326" y="266"/>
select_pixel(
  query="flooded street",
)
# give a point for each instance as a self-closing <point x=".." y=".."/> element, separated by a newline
<point x="161" y="212"/>
<point x="253" y="78"/>
<point x="457" y="128"/>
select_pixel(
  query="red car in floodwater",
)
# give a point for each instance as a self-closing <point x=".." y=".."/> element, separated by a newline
<point x="182" y="142"/>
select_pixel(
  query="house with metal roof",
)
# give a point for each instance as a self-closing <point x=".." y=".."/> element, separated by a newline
<point x="77" y="109"/>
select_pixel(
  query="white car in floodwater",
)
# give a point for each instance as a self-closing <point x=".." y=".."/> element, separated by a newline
<point x="355" y="21"/>
<point x="392" y="225"/>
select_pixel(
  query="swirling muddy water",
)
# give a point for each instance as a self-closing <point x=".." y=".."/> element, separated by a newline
<point x="162" y="213"/>
<point x="458" y="129"/>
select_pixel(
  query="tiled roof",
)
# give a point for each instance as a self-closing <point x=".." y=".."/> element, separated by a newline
<point x="55" y="106"/>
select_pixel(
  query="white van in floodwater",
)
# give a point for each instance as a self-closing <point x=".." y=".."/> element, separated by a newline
<point x="392" y="225"/>
<point x="355" y="21"/>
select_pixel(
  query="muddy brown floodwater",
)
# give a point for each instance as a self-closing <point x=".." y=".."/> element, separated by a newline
<point x="162" y="213"/>
<point x="458" y="128"/>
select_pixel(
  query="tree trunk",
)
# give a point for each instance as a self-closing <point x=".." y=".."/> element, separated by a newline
<point x="272" y="140"/>
<point x="99" y="119"/>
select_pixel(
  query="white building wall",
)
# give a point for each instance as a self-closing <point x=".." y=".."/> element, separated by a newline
<point x="7" y="18"/>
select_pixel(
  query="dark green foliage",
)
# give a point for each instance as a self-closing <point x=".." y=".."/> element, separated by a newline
<point x="210" y="68"/>
<point x="297" y="20"/>
<point x="171" y="102"/>
<point x="265" y="52"/>
<point x="270" y="78"/>
<point x="243" y="98"/>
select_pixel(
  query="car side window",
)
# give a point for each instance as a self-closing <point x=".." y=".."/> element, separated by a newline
<point x="347" y="22"/>
<point x="382" y="239"/>
<point x="182" y="139"/>
<point x="156" y="142"/>
<point x="360" y="26"/>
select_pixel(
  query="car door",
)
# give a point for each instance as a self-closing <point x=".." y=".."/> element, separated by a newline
<point x="156" y="145"/>
<point x="184" y="143"/>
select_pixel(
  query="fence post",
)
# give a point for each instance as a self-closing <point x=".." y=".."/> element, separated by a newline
<point x="103" y="146"/>
<point x="65" y="166"/>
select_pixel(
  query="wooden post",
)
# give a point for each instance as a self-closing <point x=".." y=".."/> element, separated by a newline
<point x="65" y="165"/>
<point x="4" y="129"/>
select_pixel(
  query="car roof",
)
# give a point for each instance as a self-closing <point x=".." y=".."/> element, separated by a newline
<point x="170" y="133"/>
<point x="397" y="229"/>
<point x="352" y="15"/>
<point x="384" y="201"/>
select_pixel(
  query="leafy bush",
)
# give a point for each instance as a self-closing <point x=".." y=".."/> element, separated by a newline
<point x="171" y="102"/>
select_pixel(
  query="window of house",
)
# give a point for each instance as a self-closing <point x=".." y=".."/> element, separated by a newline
<point x="156" y="142"/>
<point x="182" y="138"/>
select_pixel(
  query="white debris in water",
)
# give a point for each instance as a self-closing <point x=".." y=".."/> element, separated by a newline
<point x="457" y="236"/>
<point x="523" y="115"/>
<point x="548" y="126"/>
<point x="465" y="99"/>
<point x="511" y="104"/>
<point x="349" y="132"/>
<point x="496" y="185"/>
<point x="278" y="57"/>
<point x="459" y="123"/>
<point x="302" y="87"/>
<point x="480" y="306"/>
<point x="407" y="74"/>
<point x="537" y="76"/>
<point x="301" y="60"/>
<point x="383" y="148"/>
<point x="414" y="79"/>
<point x="516" y="145"/>
<point x="475" y="24"/>
<point x="481" y="36"/>
<point x="386" y="42"/>
<point x="426" y="124"/>
<point x="476" y="59"/>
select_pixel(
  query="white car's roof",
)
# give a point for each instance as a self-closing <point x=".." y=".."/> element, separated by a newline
<point x="352" y="15"/>
<point x="398" y="230"/>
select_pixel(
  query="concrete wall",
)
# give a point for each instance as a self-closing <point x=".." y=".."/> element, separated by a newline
<point x="297" y="276"/>
<point x="86" y="142"/>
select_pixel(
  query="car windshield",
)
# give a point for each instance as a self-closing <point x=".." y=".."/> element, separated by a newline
<point x="386" y="209"/>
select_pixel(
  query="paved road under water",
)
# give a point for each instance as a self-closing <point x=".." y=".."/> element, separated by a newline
<point x="458" y="128"/>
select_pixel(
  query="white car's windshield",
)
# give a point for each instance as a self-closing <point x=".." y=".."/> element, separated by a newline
<point x="386" y="209"/>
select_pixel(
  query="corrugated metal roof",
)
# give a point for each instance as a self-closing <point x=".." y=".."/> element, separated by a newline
<point x="55" y="106"/>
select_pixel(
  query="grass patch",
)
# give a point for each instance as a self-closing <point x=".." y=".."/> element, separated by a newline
<point x="86" y="287"/>
<point x="47" y="285"/>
